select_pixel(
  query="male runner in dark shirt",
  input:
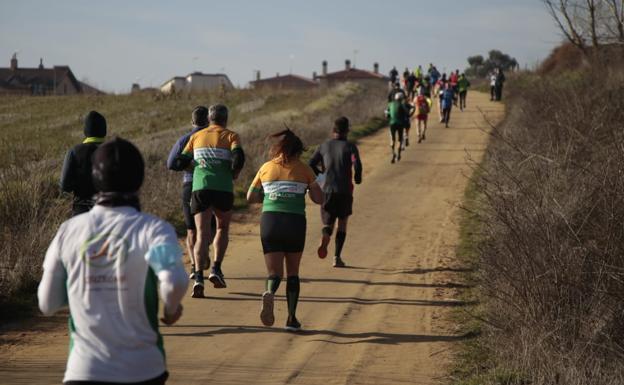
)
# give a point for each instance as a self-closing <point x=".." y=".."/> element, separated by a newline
<point x="199" y="120"/>
<point x="340" y="161"/>
<point x="76" y="174"/>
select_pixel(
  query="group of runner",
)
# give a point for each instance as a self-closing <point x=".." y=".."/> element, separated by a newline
<point x="414" y="94"/>
<point x="109" y="260"/>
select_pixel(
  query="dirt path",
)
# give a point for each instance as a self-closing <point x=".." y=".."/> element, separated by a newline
<point x="378" y="322"/>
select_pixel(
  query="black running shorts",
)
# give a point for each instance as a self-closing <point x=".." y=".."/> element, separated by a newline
<point x="282" y="232"/>
<point x="397" y="129"/>
<point x="189" y="221"/>
<point x="336" y="205"/>
<point x="202" y="200"/>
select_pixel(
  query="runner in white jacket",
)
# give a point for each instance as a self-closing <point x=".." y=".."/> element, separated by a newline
<point x="106" y="265"/>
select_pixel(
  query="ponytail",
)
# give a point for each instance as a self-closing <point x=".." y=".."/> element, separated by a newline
<point x="289" y="146"/>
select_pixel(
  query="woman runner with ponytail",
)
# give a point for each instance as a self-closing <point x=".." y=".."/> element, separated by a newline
<point x="281" y="185"/>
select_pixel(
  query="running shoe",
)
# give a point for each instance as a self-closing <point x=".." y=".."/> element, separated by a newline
<point x="266" y="313"/>
<point x="198" y="290"/>
<point x="338" y="262"/>
<point x="393" y="158"/>
<point x="406" y="142"/>
<point x="292" y="325"/>
<point x="420" y="138"/>
<point x="217" y="278"/>
<point x="322" y="249"/>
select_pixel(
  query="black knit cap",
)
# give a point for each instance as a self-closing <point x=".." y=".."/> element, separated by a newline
<point x="341" y="125"/>
<point x="94" y="125"/>
<point x="117" y="167"/>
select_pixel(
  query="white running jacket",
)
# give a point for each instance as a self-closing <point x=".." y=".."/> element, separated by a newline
<point x="106" y="265"/>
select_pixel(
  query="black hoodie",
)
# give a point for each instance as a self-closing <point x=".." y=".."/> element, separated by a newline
<point x="76" y="174"/>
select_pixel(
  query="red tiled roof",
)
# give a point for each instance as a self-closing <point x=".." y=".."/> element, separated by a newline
<point x="281" y="78"/>
<point x="44" y="76"/>
<point x="353" y="73"/>
<point x="89" y="89"/>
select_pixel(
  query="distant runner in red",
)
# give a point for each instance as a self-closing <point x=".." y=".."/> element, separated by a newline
<point x="454" y="80"/>
<point x="340" y="161"/>
<point x="423" y="106"/>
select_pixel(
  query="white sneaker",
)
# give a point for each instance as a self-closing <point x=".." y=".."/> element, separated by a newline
<point x="266" y="313"/>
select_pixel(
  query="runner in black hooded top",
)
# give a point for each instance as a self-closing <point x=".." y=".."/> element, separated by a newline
<point x="340" y="161"/>
<point x="76" y="174"/>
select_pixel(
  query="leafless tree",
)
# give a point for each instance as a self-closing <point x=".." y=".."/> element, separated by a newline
<point x="615" y="9"/>
<point x="588" y="23"/>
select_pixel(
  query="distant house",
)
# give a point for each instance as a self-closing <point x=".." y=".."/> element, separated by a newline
<point x="136" y="89"/>
<point x="351" y="74"/>
<point x="58" y="80"/>
<point x="292" y="82"/>
<point x="196" y="82"/>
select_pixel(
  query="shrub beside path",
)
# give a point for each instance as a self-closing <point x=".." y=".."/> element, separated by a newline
<point x="381" y="321"/>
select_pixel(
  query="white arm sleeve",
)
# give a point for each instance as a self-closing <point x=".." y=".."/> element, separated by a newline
<point x="52" y="291"/>
<point x="173" y="285"/>
<point x="165" y="259"/>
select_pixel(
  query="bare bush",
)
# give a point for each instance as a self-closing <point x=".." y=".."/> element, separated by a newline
<point x="552" y="257"/>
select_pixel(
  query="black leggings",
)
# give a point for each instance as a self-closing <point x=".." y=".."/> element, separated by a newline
<point x="462" y="99"/>
<point x="446" y="115"/>
<point x="397" y="129"/>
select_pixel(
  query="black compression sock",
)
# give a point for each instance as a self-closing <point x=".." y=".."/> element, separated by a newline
<point x="199" y="276"/>
<point x="273" y="283"/>
<point x="217" y="265"/>
<point x="292" y="294"/>
<point x="340" y="240"/>
<point x="327" y="230"/>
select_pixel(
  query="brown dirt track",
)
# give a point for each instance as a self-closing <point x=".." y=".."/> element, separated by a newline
<point x="381" y="321"/>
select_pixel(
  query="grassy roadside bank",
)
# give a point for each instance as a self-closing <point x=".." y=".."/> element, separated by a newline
<point x="474" y="362"/>
<point x="543" y="232"/>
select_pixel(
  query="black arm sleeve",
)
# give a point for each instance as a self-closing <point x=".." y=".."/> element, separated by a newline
<point x="180" y="162"/>
<point x="357" y="165"/>
<point x="68" y="175"/>
<point x="238" y="160"/>
<point x="315" y="161"/>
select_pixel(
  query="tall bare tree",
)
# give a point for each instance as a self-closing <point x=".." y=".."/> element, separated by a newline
<point x="616" y="12"/>
<point x="588" y="23"/>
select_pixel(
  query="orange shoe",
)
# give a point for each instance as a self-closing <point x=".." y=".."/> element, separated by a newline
<point x="322" y="249"/>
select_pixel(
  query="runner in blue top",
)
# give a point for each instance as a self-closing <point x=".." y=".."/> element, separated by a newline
<point x="447" y="97"/>
<point x="434" y="74"/>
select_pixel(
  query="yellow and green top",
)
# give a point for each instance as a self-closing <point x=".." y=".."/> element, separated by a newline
<point x="284" y="185"/>
<point x="212" y="148"/>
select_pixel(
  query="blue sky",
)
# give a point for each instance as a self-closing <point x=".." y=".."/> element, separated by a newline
<point x="114" y="43"/>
